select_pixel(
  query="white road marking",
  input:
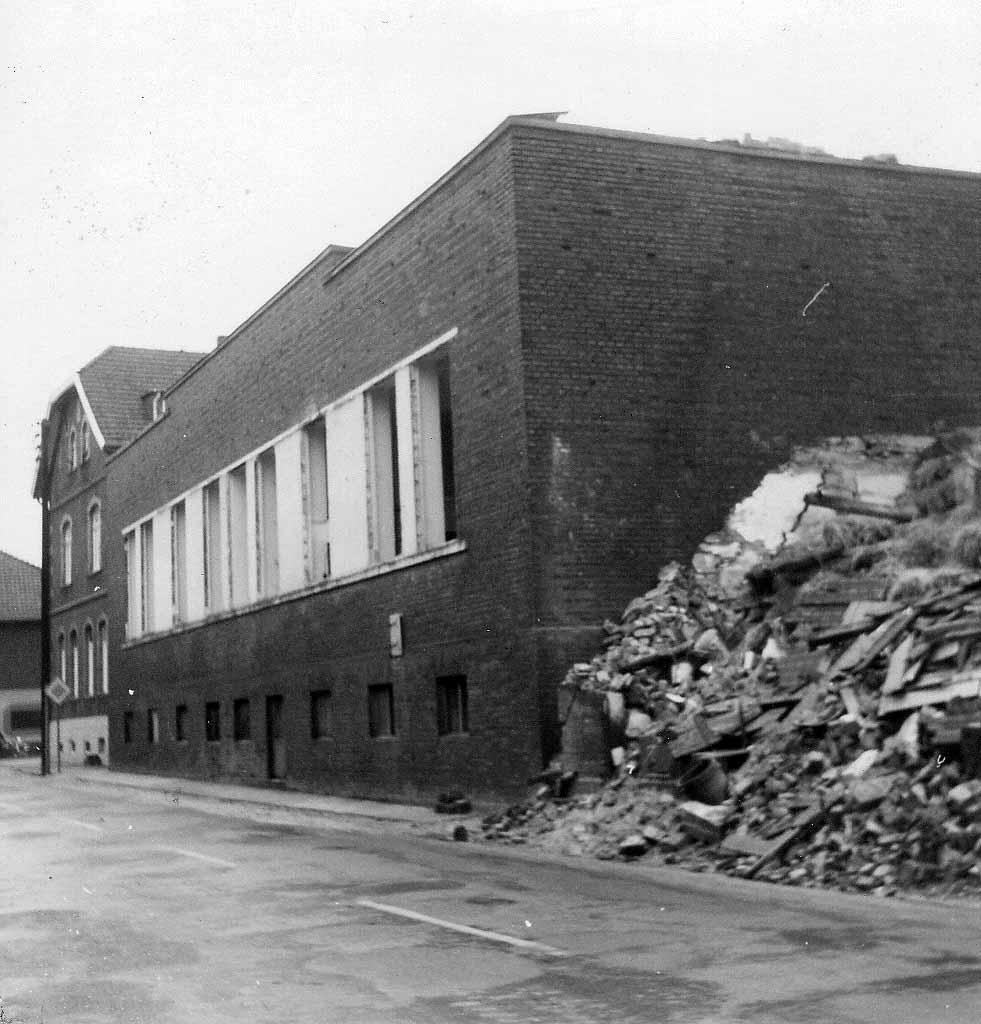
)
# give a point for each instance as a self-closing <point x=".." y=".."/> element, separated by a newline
<point x="480" y="933"/>
<point x="83" y="824"/>
<point x="199" y="856"/>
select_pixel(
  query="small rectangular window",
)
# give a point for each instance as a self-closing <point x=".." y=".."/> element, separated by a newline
<point x="381" y="710"/>
<point x="127" y="727"/>
<point x="241" y="719"/>
<point x="319" y="714"/>
<point x="152" y="726"/>
<point x="451" y="705"/>
<point x="180" y="723"/>
<point x="212" y="721"/>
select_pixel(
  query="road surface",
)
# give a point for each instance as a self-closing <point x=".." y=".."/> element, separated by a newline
<point x="150" y="908"/>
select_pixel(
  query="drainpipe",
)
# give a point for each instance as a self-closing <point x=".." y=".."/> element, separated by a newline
<point x="45" y="598"/>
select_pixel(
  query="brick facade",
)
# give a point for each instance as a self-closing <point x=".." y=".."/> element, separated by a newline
<point x="632" y="353"/>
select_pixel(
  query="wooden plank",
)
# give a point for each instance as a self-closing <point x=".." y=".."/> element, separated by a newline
<point x="855" y="506"/>
<point x="858" y="611"/>
<point x="968" y="685"/>
<point x="898" y="663"/>
<point x="891" y="630"/>
<point x="957" y="630"/>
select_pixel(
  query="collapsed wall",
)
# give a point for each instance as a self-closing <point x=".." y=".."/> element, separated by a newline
<point x="803" y="702"/>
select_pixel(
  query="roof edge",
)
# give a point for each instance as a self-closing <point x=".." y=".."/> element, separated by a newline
<point x="547" y="122"/>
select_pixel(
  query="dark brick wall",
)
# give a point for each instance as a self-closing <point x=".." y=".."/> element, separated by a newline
<point x="20" y="655"/>
<point x="448" y="263"/>
<point x="668" y="363"/>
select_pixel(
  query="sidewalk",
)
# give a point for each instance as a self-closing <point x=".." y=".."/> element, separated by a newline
<point x="277" y="799"/>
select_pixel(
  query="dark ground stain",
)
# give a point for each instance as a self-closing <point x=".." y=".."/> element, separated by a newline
<point x="580" y="993"/>
<point x="52" y="938"/>
<point x="29" y="835"/>
<point x="270" y="834"/>
<point x="813" y="1006"/>
<point x="490" y="901"/>
<point x="818" y="940"/>
<point x="83" y="1001"/>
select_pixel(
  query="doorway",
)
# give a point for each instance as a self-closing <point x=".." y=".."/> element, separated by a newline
<point x="275" y="740"/>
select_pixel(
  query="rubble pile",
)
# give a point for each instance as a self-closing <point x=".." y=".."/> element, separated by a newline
<point x="802" y="708"/>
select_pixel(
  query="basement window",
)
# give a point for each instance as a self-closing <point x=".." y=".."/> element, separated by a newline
<point x="451" y="705"/>
<point x="152" y="726"/>
<point x="127" y="727"/>
<point x="381" y="711"/>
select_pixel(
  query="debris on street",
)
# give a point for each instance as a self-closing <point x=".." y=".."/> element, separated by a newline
<point x="801" y="704"/>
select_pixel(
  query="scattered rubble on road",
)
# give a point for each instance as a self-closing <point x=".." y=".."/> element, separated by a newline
<point x="803" y="703"/>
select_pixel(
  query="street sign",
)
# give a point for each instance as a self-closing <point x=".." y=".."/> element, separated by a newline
<point x="57" y="690"/>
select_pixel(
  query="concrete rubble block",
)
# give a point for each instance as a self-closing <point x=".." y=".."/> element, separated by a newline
<point x="865" y="793"/>
<point x="703" y="821"/>
<point x="634" y="845"/>
<point x="963" y="795"/>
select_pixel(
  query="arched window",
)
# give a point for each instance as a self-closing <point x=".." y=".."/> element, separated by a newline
<point x="72" y="449"/>
<point x="89" y="660"/>
<point x="104" y="654"/>
<point x="66" y="552"/>
<point x="95" y="537"/>
<point x="86" y="441"/>
<point x="62" y="657"/>
<point x="73" y="650"/>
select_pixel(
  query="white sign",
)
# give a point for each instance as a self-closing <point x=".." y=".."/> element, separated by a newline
<point x="57" y="690"/>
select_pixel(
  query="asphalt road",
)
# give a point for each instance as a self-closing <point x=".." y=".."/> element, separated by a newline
<point x="145" y="908"/>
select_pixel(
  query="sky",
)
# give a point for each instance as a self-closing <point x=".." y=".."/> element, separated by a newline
<point x="167" y="167"/>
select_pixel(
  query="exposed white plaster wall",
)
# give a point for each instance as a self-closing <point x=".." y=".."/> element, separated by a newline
<point x="80" y="731"/>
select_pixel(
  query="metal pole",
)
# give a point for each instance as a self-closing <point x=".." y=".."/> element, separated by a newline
<point x="58" y="713"/>
<point x="45" y="597"/>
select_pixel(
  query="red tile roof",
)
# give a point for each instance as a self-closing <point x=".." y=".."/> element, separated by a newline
<point x="20" y="590"/>
<point x="119" y="378"/>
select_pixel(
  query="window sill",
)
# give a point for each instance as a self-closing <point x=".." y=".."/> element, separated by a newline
<point x="453" y="547"/>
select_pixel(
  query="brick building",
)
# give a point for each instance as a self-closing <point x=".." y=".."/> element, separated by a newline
<point x="20" y="652"/>
<point x="379" y="520"/>
<point x="105" y="404"/>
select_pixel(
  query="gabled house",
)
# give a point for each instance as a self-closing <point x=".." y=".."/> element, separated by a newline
<point x="20" y="653"/>
<point x="384" y="515"/>
<point x="103" y="406"/>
